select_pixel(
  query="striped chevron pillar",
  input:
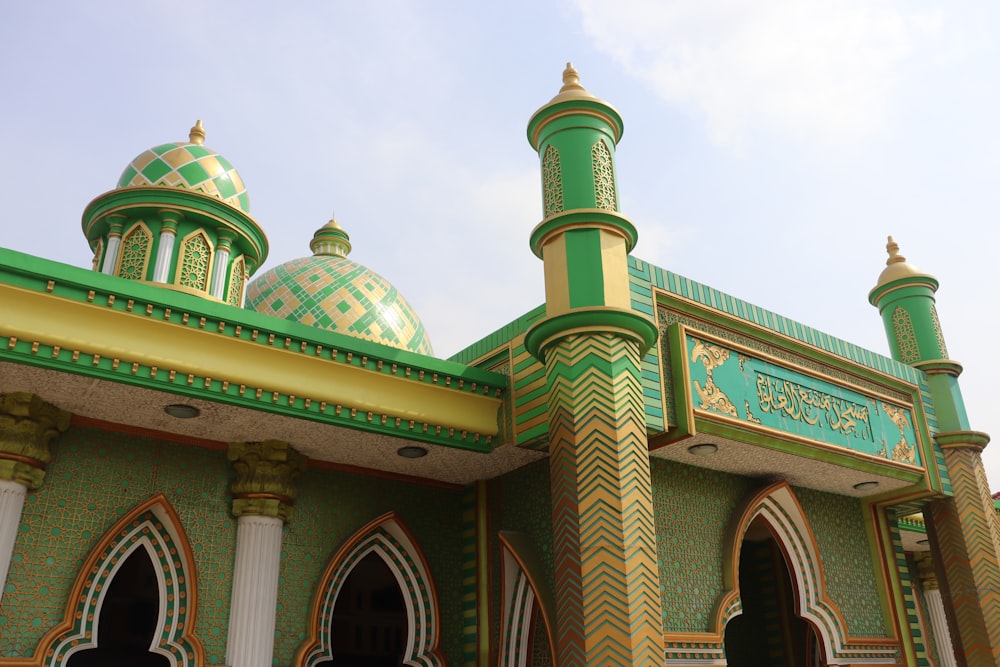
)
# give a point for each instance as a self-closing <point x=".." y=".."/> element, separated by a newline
<point x="608" y="608"/>
<point x="963" y="529"/>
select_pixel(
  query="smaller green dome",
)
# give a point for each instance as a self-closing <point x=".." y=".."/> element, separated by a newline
<point x="189" y="166"/>
<point x="330" y="291"/>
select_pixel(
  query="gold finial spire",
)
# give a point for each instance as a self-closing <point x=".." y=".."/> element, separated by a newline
<point x="893" y="249"/>
<point x="571" y="80"/>
<point x="197" y="134"/>
<point x="896" y="266"/>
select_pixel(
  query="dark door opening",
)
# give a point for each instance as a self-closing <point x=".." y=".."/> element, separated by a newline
<point x="769" y="632"/>
<point x="128" y="618"/>
<point x="369" y="626"/>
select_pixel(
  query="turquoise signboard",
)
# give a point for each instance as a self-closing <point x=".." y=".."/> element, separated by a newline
<point x="765" y="395"/>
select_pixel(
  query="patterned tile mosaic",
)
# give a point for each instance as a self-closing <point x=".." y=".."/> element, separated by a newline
<point x="692" y="507"/>
<point x="331" y="507"/>
<point x="851" y="582"/>
<point x="335" y="293"/>
<point x="94" y="479"/>
<point x="191" y="167"/>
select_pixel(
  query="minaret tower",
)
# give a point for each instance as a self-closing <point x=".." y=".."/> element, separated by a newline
<point x="963" y="530"/>
<point x="591" y="342"/>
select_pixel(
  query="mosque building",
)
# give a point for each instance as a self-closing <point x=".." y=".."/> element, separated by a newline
<point x="201" y="465"/>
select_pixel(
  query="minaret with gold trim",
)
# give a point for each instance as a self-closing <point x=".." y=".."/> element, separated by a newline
<point x="963" y="530"/>
<point x="607" y="585"/>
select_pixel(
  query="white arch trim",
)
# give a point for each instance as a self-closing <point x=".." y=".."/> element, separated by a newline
<point x="387" y="538"/>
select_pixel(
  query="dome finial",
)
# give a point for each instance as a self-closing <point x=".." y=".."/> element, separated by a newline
<point x="571" y="79"/>
<point x="331" y="239"/>
<point x="893" y="249"/>
<point x="197" y="134"/>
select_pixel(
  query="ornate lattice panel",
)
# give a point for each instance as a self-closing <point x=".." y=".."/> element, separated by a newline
<point x="906" y="337"/>
<point x="552" y="185"/>
<point x="237" y="279"/>
<point x="135" y="248"/>
<point x="604" y="177"/>
<point x="196" y="257"/>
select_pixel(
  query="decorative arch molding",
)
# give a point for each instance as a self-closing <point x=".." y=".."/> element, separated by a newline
<point x="194" y="263"/>
<point x="387" y="537"/>
<point x="134" y="252"/>
<point x="522" y="594"/>
<point x="778" y="507"/>
<point x="154" y="526"/>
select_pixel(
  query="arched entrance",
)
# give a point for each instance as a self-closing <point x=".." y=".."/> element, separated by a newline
<point x="383" y="542"/>
<point x="128" y="618"/>
<point x="769" y="632"/>
<point x="369" y="626"/>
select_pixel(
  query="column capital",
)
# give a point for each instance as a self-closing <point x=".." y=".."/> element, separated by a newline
<point x="265" y="476"/>
<point x="925" y="570"/>
<point x="974" y="440"/>
<point x="27" y="426"/>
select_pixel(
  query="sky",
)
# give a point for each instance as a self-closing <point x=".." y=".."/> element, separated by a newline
<point x="770" y="146"/>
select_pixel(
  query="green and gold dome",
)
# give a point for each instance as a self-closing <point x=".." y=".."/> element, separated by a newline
<point x="190" y="166"/>
<point x="330" y="291"/>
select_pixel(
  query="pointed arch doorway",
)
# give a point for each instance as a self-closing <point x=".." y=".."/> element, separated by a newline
<point x="769" y="632"/>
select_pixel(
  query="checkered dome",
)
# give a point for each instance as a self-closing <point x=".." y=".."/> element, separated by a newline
<point x="335" y="293"/>
<point x="189" y="166"/>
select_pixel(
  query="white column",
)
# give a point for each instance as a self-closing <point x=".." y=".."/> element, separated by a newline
<point x="111" y="255"/>
<point x="939" y="626"/>
<point x="164" y="254"/>
<point x="255" y="591"/>
<point x="219" y="269"/>
<point x="11" y="504"/>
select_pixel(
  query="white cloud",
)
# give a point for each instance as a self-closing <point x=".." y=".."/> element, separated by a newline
<point x="821" y="69"/>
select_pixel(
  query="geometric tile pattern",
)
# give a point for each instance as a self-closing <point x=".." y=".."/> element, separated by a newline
<point x="188" y="166"/>
<point x="334" y="293"/>
<point x="606" y="582"/>
<point x="151" y="527"/>
<point x="390" y="540"/>
<point x="552" y="186"/>
<point x="838" y="525"/>
<point x="914" y="625"/>
<point x="964" y="529"/>
<point x="605" y="195"/>
<point x="778" y="506"/>
<point x="332" y="507"/>
<point x="95" y="478"/>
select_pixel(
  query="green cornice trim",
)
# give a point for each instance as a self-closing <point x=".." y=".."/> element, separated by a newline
<point x="591" y="320"/>
<point x="915" y="285"/>
<point x="584" y="218"/>
<point x="144" y="200"/>
<point x="584" y="111"/>
<point x="46" y="286"/>
<point x="973" y="439"/>
<point x="946" y="366"/>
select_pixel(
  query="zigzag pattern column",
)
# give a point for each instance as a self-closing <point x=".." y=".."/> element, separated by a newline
<point x="607" y="583"/>
<point x="961" y="527"/>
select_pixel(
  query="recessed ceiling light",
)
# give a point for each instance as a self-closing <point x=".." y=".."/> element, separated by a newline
<point x="412" y="452"/>
<point x="704" y="449"/>
<point x="182" y="411"/>
<point x="865" y="486"/>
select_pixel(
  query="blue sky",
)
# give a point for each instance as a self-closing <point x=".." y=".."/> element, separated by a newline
<point x="770" y="146"/>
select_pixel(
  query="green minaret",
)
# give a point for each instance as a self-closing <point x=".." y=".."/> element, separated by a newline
<point x="591" y="342"/>
<point x="963" y="529"/>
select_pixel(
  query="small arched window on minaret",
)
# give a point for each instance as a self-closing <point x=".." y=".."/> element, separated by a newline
<point x="136" y="245"/>
<point x="552" y="185"/>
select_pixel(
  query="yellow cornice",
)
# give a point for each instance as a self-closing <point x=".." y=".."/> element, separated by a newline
<point x="136" y="338"/>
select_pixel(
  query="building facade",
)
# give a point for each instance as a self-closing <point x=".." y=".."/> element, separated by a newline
<point x="200" y="466"/>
